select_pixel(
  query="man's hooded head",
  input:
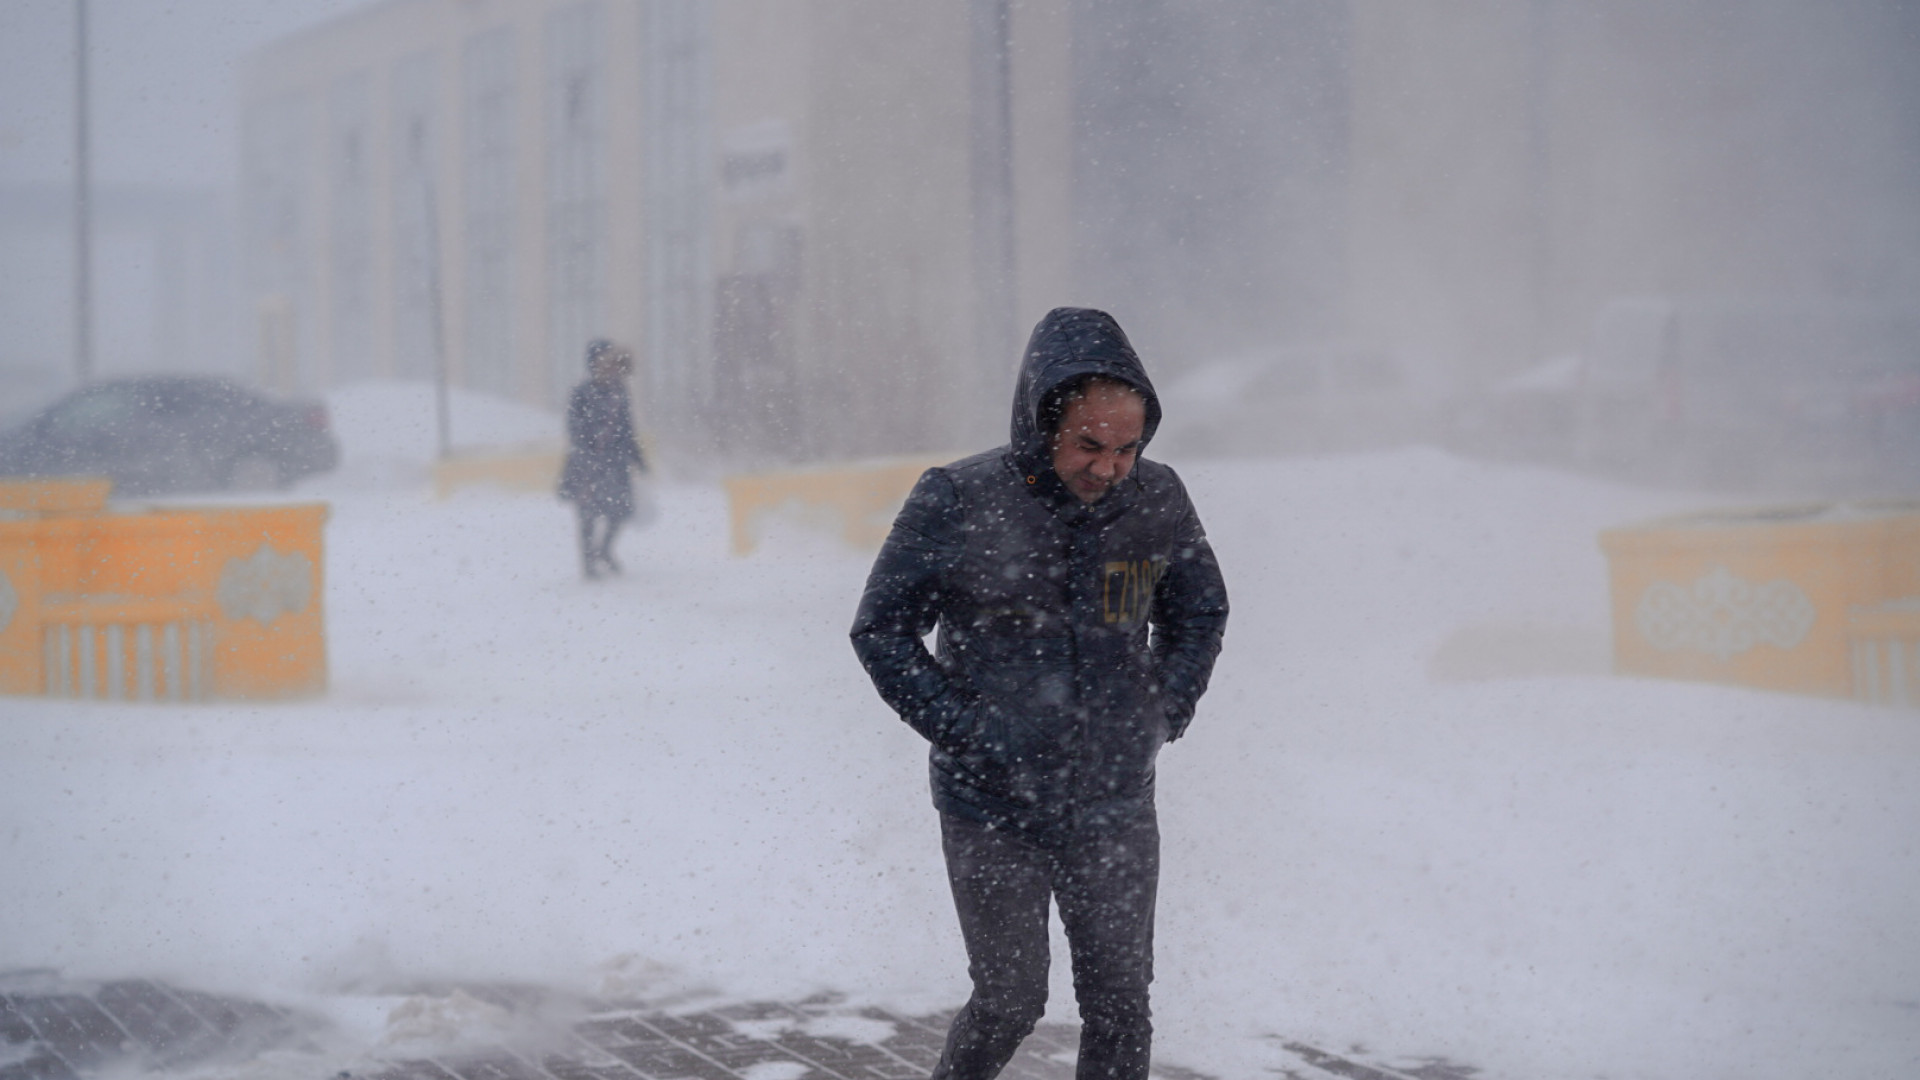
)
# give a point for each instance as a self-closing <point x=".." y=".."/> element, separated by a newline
<point x="1079" y="366"/>
<point x="1069" y="344"/>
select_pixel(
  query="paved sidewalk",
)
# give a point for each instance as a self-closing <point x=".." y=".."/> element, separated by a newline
<point x="55" y="1030"/>
<point x="58" y="1030"/>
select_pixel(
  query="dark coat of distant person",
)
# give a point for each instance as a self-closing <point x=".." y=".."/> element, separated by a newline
<point x="602" y="450"/>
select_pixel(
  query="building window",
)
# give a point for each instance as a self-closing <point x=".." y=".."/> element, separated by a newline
<point x="416" y="201"/>
<point x="576" y="190"/>
<point x="677" y="57"/>
<point x="276" y="162"/>
<point x="350" y="229"/>
<point x="487" y="84"/>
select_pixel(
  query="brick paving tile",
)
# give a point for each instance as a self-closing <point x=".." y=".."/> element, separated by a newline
<point x="923" y="1057"/>
<point x="671" y="1062"/>
<point x="920" y="1065"/>
<point x="67" y="1032"/>
<point x="416" y="1069"/>
<point x="897" y="1070"/>
<point x="561" y="1067"/>
<point x="738" y="1058"/>
<point x="636" y="1040"/>
<point x="40" y="1065"/>
<point x="732" y="1040"/>
<point x="14" y="1028"/>
<point x="915" y="1036"/>
<point x="246" y="1028"/>
<point x="829" y="1052"/>
<point x="909" y="1032"/>
<point x="617" y="1031"/>
<point x="164" y="1028"/>
<point x="850" y="1062"/>
<point x="686" y="1027"/>
<point x="72" y="1028"/>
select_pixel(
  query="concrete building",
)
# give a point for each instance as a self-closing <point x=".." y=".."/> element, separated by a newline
<point x="826" y="223"/>
<point x="819" y="223"/>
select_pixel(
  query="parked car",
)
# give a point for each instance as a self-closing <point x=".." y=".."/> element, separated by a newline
<point x="162" y="434"/>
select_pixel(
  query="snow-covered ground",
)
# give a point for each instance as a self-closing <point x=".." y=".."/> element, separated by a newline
<point x="1414" y="813"/>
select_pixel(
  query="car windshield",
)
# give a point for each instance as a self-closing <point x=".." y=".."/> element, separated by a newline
<point x="102" y="408"/>
<point x="92" y="410"/>
<point x="185" y="396"/>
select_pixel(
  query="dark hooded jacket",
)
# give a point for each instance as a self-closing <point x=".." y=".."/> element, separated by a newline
<point x="1074" y="638"/>
<point x="602" y="448"/>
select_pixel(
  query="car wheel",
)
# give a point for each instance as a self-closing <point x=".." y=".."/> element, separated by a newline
<point x="253" y="472"/>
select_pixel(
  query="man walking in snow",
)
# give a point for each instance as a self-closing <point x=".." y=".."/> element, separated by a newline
<point x="1079" y="611"/>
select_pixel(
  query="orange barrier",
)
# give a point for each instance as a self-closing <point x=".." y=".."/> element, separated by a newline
<point x="164" y="605"/>
<point x="1758" y="598"/>
<point x="1884" y="640"/>
<point x="67" y="495"/>
<point x="20" y="671"/>
<point x="860" y="498"/>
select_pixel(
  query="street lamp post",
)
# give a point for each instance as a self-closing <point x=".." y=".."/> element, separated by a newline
<point x="82" y="207"/>
<point x="429" y="237"/>
<point x="437" y="302"/>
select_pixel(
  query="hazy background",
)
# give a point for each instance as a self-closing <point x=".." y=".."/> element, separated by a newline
<point x="165" y="146"/>
<point x="1675" y="241"/>
<point x="1669" y="242"/>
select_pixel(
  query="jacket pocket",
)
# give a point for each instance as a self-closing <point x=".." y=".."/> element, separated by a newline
<point x="974" y="748"/>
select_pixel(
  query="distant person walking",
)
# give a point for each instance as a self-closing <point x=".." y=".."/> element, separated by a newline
<point x="601" y="449"/>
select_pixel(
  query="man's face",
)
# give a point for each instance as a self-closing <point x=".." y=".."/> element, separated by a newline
<point x="1099" y="439"/>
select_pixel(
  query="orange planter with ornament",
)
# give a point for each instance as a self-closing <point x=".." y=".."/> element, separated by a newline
<point x="1757" y="598"/>
<point x="171" y="604"/>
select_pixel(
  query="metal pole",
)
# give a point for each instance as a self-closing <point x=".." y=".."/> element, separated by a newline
<point x="442" y="413"/>
<point x="82" y="208"/>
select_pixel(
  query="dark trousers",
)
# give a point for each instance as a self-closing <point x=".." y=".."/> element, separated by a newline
<point x="1103" y="879"/>
<point x="596" y="541"/>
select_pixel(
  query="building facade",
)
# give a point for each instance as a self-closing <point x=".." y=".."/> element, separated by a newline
<point x="824" y="224"/>
<point x="820" y="224"/>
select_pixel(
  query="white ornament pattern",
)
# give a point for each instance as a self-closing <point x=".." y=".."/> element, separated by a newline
<point x="265" y="585"/>
<point x="1723" y="614"/>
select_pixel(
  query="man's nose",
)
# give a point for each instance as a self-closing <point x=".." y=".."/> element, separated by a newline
<point x="1105" y="466"/>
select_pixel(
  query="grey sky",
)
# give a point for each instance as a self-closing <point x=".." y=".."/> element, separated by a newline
<point x="164" y="77"/>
